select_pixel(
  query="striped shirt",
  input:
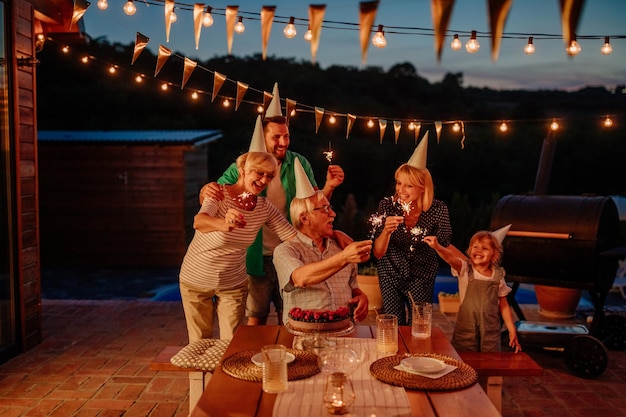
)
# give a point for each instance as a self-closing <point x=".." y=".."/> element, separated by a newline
<point x="331" y="293"/>
<point x="217" y="260"/>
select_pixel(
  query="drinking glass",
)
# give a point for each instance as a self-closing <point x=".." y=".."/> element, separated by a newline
<point x="274" y="368"/>
<point x="422" y="320"/>
<point x="386" y="333"/>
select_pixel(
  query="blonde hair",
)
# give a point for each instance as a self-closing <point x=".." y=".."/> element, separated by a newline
<point x="264" y="161"/>
<point x="300" y="206"/>
<point x="419" y="177"/>
<point x="495" y="245"/>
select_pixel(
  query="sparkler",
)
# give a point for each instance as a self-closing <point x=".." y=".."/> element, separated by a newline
<point x="329" y="154"/>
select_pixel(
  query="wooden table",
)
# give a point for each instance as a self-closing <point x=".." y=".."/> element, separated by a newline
<point x="226" y="396"/>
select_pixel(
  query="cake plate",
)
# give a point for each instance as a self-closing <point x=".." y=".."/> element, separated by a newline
<point x="331" y="333"/>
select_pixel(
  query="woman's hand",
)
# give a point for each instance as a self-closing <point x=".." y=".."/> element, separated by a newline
<point x="234" y="219"/>
<point x="392" y="223"/>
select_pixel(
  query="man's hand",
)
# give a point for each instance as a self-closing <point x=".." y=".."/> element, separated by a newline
<point x="211" y="190"/>
<point x="358" y="252"/>
<point x="334" y="176"/>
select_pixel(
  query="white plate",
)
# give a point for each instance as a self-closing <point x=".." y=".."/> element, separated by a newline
<point x="258" y="358"/>
<point x="423" y="364"/>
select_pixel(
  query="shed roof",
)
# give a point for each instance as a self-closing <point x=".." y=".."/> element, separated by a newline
<point x="179" y="137"/>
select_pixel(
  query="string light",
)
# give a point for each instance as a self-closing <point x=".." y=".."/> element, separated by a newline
<point x="239" y="26"/>
<point x="411" y="126"/>
<point x="308" y="35"/>
<point x="554" y="126"/>
<point x="207" y="19"/>
<point x="65" y="49"/>
<point x="293" y="113"/>
<point x="606" y="48"/>
<point x="290" y="30"/>
<point x="84" y="59"/>
<point x="139" y="78"/>
<point x="164" y="86"/>
<point x="456" y="43"/>
<point x="370" y="123"/>
<point x="608" y="122"/>
<point x="472" y="45"/>
<point x="103" y="4"/>
<point x="112" y="69"/>
<point x="503" y="127"/>
<point x="130" y="8"/>
<point x="226" y="102"/>
<point x="529" y="49"/>
<point x="173" y="17"/>
<point x="456" y="127"/>
<point x="259" y="109"/>
<point x="332" y="119"/>
<point x="574" y="47"/>
<point x="378" y="40"/>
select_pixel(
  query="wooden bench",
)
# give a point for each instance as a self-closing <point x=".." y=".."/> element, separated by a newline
<point x="198" y="378"/>
<point x="496" y="365"/>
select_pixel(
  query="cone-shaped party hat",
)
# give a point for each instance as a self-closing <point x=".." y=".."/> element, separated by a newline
<point x="273" y="109"/>
<point x="500" y="234"/>
<point x="304" y="189"/>
<point x="257" y="144"/>
<point x="418" y="159"/>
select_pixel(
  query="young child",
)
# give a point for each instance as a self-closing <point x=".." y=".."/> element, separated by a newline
<point x="482" y="290"/>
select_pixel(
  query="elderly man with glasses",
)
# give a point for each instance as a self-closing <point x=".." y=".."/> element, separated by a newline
<point x="314" y="272"/>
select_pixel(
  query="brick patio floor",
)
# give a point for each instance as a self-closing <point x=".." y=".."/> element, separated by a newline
<point x="94" y="361"/>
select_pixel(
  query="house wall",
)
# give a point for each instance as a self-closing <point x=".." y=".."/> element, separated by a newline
<point x="118" y="205"/>
<point x="27" y="220"/>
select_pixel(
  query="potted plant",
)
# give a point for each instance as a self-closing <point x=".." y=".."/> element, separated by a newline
<point x="367" y="278"/>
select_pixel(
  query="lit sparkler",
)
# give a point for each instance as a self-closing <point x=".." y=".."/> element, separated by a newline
<point x="329" y="154"/>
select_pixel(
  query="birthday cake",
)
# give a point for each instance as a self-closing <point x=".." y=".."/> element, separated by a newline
<point x="319" y="320"/>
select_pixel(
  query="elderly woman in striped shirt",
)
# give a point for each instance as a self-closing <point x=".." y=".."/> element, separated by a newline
<point x="213" y="274"/>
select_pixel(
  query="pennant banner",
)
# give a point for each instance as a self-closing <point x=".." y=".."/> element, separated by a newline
<point x="198" y="10"/>
<point x="319" y="115"/>
<point x="351" y="120"/>
<point x="218" y="81"/>
<point x="382" y="124"/>
<point x="140" y="44"/>
<point x="441" y="11"/>
<point x="418" y="127"/>
<point x="267" y="98"/>
<point x="169" y="9"/>
<point x="241" y="91"/>
<point x="80" y="7"/>
<point x="189" y="67"/>
<point x="396" y="129"/>
<point x="498" y="13"/>
<point x="570" y="13"/>
<point x="162" y="57"/>
<point x="267" y="17"/>
<point x="291" y="108"/>
<point x="438" y="126"/>
<point x="316" y="17"/>
<point x="231" y="19"/>
<point x="367" y="15"/>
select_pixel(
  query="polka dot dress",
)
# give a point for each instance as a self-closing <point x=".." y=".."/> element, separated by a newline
<point x="410" y="264"/>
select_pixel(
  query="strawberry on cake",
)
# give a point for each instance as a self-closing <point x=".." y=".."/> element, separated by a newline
<point x="319" y="320"/>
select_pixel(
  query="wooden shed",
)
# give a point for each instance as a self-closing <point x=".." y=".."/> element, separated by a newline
<point x="120" y="198"/>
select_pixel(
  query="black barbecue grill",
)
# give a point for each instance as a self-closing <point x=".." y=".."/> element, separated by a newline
<point x="562" y="241"/>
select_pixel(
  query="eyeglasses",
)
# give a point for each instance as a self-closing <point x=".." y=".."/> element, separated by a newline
<point x="325" y="208"/>
<point x="261" y="174"/>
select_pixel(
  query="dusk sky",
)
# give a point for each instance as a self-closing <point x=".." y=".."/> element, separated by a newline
<point x="548" y="68"/>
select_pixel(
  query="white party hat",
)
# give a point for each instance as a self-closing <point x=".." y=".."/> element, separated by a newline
<point x="418" y="159"/>
<point x="273" y="109"/>
<point x="257" y="144"/>
<point x="500" y="234"/>
<point x="304" y="189"/>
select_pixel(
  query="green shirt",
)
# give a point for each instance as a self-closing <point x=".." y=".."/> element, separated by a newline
<point x="254" y="257"/>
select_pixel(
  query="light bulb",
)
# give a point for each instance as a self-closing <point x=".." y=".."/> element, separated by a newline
<point x="259" y="109"/>
<point x="103" y="4"/>
<point x="308" y="35"/>
<point x="574" y="48"/>
<point x="226" y="103"/>
<point x="370" y="123"/>
<point x="332" y="119"/>
<point x="472" y="45"/>
<point x="85" y="59"/>
<point x="173" y="17"/>
<point x="164" y="86"/>
<point x="456" y="43"/>
<point x="504" y="127"/>
<point x="239" y="26"/>
<point x="290" y="30"/>
<point x="554" y="126"/>
<point x="411" y="126"/>
<point x="608" y="122"/>
<point x="378" y="40"/>
<point x="138" y="79"/>
<point x="529" y="49"/>
<point x="293" y="113"/>
<point x="194" y="95"/>
<point x="606" y="48"/>
<point x="207" y="19"/>
<point x="456" y="127"/>
<point x="65" y="49"/>
<point x="130" y="8"/>
<point x="112" y="69"/>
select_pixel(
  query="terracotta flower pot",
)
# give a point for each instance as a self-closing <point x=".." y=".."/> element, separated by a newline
<point x="557" y="302"/>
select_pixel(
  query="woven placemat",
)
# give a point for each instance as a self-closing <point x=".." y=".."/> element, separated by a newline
<point x="239" y="365"/>
<point x="463" y="376"/>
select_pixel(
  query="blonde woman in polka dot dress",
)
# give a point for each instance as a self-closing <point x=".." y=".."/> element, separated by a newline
<point x="405" y="263"/>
